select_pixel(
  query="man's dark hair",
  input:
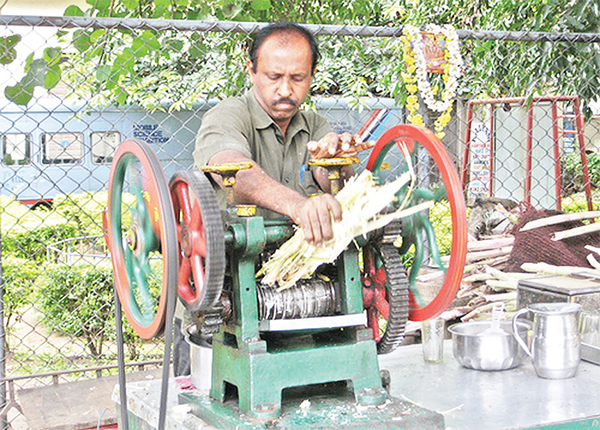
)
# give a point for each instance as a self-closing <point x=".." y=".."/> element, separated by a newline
<point x="283" y="27"/>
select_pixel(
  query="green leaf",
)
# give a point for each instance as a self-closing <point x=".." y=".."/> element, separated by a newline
<point x="73" y="10"/>
<point x="231" y="8"/>
<point x="261" y="4"/>
<point x="121" y="96"/>
<point x="160" y="8"/>
<point x="126" y="61"/>
<point x="197" y="48"/>
<point x="103" y="73"/>
<point x="52" y="55"/>
<point x="131" y="4"/>
<point x="53" y="75"/>
<point x="151" y="40"/>
<point x="19" y="94"/>
<point x="96" y="35"/>
<point x="100" y="5"/>
<point x="36" y="76"/>
<point x="81" y="40"/>
<point x="139" y="47"/>
<point x="8" y="53"/>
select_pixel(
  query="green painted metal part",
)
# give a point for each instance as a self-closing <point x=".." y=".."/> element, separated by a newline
<point x="262" y="365"/>
<point x="417" y="230"/>
<point x="583" y="424"/>
<point x="329" y="407"/>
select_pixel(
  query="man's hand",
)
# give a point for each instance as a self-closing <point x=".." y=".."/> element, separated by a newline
<point x="314" y="215"/>
<point x="334" y="145"/>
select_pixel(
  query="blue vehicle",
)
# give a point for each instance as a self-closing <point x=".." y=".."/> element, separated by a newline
<point x="50" y="148"/>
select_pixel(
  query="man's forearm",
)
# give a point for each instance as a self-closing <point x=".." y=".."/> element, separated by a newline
<point x="255" y="186"/>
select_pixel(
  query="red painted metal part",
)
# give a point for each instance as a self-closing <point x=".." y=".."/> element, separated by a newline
<point x="192" y="239"/>
<point x="375" y="299"/>
<point x="579" y="126"/>
<point x="407" y="133"/>
<point x="155" y="191"/>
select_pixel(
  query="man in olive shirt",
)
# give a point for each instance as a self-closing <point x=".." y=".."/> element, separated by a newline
<point x="266" y="127"/>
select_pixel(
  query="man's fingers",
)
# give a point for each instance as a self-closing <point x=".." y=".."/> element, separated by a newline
<point x="333" y="145"/>
<point x="315" y="216"/>
<point x="346" y="141"/>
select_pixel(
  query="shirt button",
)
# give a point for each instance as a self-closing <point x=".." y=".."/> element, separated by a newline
<point x="287" y="180"/>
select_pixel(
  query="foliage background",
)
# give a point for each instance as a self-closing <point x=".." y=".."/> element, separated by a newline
<point x="149" y="67"/>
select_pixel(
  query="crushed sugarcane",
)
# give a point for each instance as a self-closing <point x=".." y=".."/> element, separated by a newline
<point x="363" y="202"/>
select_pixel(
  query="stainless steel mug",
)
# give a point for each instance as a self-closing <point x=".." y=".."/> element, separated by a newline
<point x="555" y="346"/>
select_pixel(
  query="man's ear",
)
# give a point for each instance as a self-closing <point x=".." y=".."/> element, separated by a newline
<point x="249" y="70"/>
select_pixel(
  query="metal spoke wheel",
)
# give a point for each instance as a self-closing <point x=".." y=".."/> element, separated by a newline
<point x="141" y="236"/>
<point x="201" y="240"/>
<point x="385" y="294"/>
<point x="433" y="243"/>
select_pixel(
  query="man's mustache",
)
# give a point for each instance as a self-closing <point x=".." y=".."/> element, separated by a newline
<point x="285" y="100"/>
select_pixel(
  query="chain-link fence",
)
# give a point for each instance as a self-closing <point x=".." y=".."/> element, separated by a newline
<point x="77" y="87"/>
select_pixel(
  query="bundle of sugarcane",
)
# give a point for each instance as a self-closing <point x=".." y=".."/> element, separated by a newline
<point x="362" y="202"/>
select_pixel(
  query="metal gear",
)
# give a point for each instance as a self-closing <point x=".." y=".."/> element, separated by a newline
<point x="385" y="294"/>
<point x="201" y="241"/>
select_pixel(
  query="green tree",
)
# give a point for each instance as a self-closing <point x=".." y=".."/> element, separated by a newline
<point x="150" y="67"/>
<point x="19" y="275"/>
<point x="78" y="300"/>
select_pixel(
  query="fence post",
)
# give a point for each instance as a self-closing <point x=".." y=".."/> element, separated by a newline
<point x="3" y="400"/>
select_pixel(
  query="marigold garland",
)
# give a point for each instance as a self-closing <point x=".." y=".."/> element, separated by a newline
<point x="416" y="80"/>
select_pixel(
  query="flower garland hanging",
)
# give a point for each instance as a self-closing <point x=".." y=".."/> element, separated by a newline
<point x="416" y="80"/>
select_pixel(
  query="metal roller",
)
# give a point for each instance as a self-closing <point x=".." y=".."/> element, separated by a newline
<point x="308" y="298"/>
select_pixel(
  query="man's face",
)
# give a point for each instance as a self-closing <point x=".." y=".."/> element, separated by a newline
<point x="283" y="75"/>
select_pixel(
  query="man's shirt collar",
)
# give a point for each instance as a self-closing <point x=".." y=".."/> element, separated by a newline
<point x="262" y="120"/>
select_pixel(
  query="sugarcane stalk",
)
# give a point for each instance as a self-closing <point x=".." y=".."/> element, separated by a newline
<point x="593" y="262"/>
<point x="559" y="219"/>
<point x="549" y="269"/>
<point x="593" y="248"/>
<point x="502" y="285"/>
<point x="577" y="231"/>
<point x="485" y="244"/>
<point x="477" y="277"/>
<point x="362" y="202"/>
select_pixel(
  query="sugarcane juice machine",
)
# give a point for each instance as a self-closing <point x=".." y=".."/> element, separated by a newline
<point x="174" y="240"/>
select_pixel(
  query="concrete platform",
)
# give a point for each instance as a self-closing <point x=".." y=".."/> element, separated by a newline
<point x="75" y="405"/>
<point x="468" y="399"/>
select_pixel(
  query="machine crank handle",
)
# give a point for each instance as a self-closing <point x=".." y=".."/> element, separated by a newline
<point x="227" y="171"/>
<point x="334" y="169"/>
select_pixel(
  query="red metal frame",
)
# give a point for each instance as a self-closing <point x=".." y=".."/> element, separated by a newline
<point x="408" y="134"/>
<point x="579" y="130"/>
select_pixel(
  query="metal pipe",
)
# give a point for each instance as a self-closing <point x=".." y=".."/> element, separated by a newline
<point x="579" y="125"/>
<point x="253" y="27"/>
<point x="121" y="360"/>
<point x="492" y="152"/>
<point x="529" y="153"/>
<point x="557" y="175"/>
<point x="467" y="150"/>
<point x="3" y="391"/>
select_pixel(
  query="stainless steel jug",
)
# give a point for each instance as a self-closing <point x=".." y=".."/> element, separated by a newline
<point x="555" y="347"/>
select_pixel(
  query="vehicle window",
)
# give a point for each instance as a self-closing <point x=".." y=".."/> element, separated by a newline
<point x="16" y="149"/>
<point x="61" y="148"/>
<point x="104" y="145"/>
